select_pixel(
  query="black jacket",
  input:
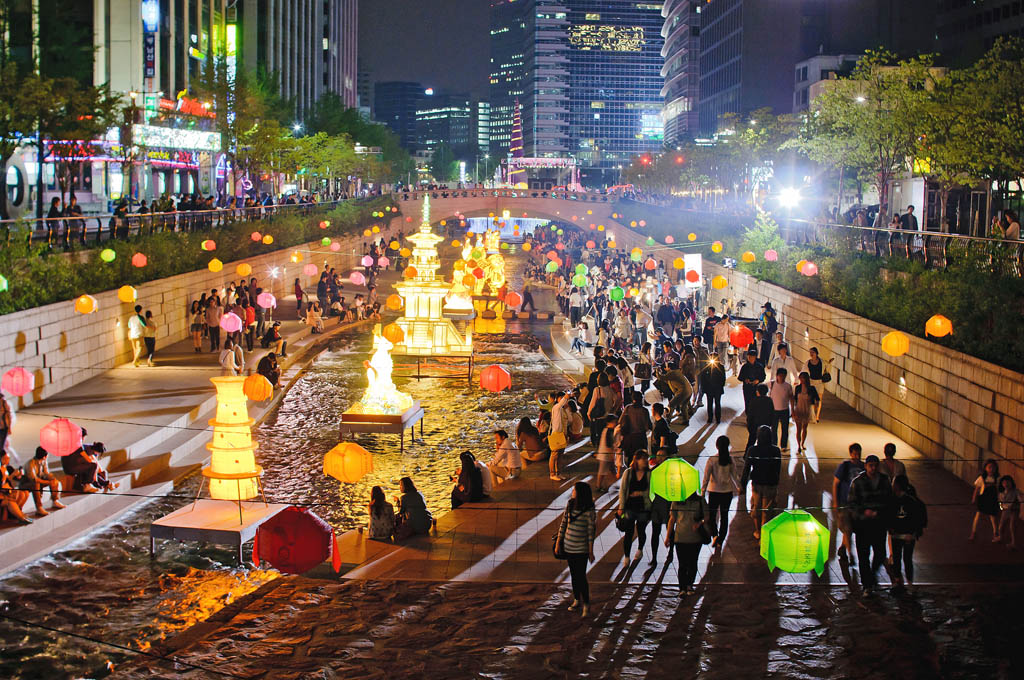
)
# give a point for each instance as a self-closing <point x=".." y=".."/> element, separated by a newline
<point x="907" y="515"/>
<point x="765" y="464"/>
<point x="759" y="412"/>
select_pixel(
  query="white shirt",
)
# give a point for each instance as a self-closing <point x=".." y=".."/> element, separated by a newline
<point x="508" y="455"/>
<point x="781" y="394"/>
<point x="136" y="326"/>
<point x="789" y="364"/>
<point x="229" y="360"/>
<point x="575" y="300"/>
<point x="485" y="476"/>
<point x="718" y="478"/>
<point x="558" y="423"/>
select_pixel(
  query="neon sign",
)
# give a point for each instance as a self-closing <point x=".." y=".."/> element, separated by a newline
<point x="607" y="38"/>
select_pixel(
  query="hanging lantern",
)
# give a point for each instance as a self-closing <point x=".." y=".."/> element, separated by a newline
<point x="551" y="266"/>
<point x="310" y="269"/>
<point x="593" y="226"/>
<point x="551" y="254"/>
<point x="294" y="541"/>
<point x="268" y="239"/>
<point x="257" y="388"/>
<point x="410" y="272"/>
<point x="323" y="224"/>
<point x="231" y="323"/>
<point x="581" y="268"/>
<point x="795" y="542"/>
<point x="771" y="255"/>
<point x="633" y="223"/>
<point x="243" y="269"/>
<point x="692" y="276"/>
<point x="209" y="244"/>
<point x="405" y="252"/>
<point x="471" y="264"/>
<point x="612" y="245"/>
<point x="394" y="302"/>
<point x="18" y="382"/>
<point x="296" y="256"/>
<point x="127" y="294"/>
<point x="256" y="236"/>
<point x="559" y="246"/>
<point x="800" y="266"/>
<point x="527" y="247"/>
<point x="459" y="265"/>
<point x="348" y="462"/>
<point x="670" y="239"/>
<point x="809" y="269"/>
<point x="60" y="437"/>
<point x="579" y="280"/>
<point x="741" y="336"/>
<point x="477" y="254"/>
<point x="383" y="261"/>
<point x="719" y="282"/>
<point x="691" y="236"/>
<point x="215" y="265"/>
<point x="616" y="294"/>
<point x="139" y="260"/>
<point x="266" y="300"/>
<point x="367" y="233"/>
<point x="456" y="244"/>
<point x="678" y="263"/>
<point x="650" y="265"/>
<point x="469" y="281"/>
<point x="503" y="246"/>
<point x="650" y="241"/>
<point x="393" y="333"/>
<point x="559" y="232"/>
<point x="108" y="255"/>
<point x="394" y="245"/>
<point x="633" y="292"/>
<point x="938" y="326"/>
<point x="85" y="304"/>
<point x="376" y="229"/>
<point x="335" y="247"/>
<point x="443" y="222"/>
<point x="635" y="255"/>
<point x="674" y="480"/>
<point x="325" y="241"/>
<point x="513" y="299"/>
<point x="895" y="343"/>
<point x="748" y="257"/>
<point x="716" y="247"/>
<point x="590" y="212"/>
<point x="495" y="378"/>
<point x="356" y="278"/>
<point x="591" y="245"/>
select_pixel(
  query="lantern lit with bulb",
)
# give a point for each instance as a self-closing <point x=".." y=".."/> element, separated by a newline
<point x="60" y="437"/>
<point x="674" y="480"/>
<point x="139" y="260"/>
<point x="938" y="326"/>
<point x="244" y="269"/>
<point x="495" y="378"/>
<point x="257" y="388"/>
<point x="18" y="382"/>
<point x="233" y="473"/>
<point x="86" y="304"/>
<point x="895" y="343"/>
<point x="348" y="462"/>
<point x="719" y="282"/>
<point x="795" y="542"/>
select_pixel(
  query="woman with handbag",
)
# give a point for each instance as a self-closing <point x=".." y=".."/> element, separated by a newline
<point x="574" y="542"/>
<point x="635" y="505"/>
<point x="817" y="371"/>
<point x="687" y="531"/>
<point x="719" y="483"/>
<point x="598" y="409"/>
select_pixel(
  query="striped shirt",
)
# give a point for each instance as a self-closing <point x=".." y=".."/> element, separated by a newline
<point x="577" y="531"/>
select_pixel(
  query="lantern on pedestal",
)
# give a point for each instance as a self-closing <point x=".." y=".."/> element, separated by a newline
<point x="495" y="378"/>
<point x="18" y="382"/>
<point x="895" y="343"/>
<point x="795" y="542"/>
<point x="939" y="326"/>
<point x="674" y="480"/>
<point x="257" y="388"/>
<point x="741" y="336"/>
<point x="348" y="462"/>
<point x="294" y="541"/>
<point x="233" y="473"/>
<point x="60" y="437"/>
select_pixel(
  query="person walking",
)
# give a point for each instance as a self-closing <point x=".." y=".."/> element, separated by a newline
<point x="136" y="332"/>
<point x="149" y="337"/>
<point x="684" y="532"/>
<point x="575" y="540"/>
<point x="1009" y="509"/>
<point x="815" y="368"/>
<point x="721" y="336"/>
<point x="805" y="400"/>
<point x="634" y="424"/>
<point x="781" y="392"/>
<point x="985" y="498"/>
<point x="607" y="449"/>
<point x="751" y="375"/>
<point x="214" y="312"/>
<point x="719" y="484"/>
<point x="847" y="471"/>
<point x="870" y="498"/>
<point x="765" y="470"/>
<point x="712" y="380"/>
<point x="635" y="504"/>
<point x="557" y="437"/>
<point x="907" y="521"/>
<point x="198" y="322"/>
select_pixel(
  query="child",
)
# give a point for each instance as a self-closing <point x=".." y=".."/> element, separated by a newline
<point x="1009" y="506"/>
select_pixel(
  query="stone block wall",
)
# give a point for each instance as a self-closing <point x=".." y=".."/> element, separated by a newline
<point x="948" y="405"/>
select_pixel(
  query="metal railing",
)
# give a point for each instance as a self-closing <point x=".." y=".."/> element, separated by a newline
<point x="506" y="193"/>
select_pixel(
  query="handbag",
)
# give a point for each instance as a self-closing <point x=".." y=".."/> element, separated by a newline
<point x="559" y="555"/>
<point x="642" y="372"/>
<point x="826" y="377"/>
<point x="705" y="532"/>
<point x="622" y="523"/>
<point x="557" y="441"/>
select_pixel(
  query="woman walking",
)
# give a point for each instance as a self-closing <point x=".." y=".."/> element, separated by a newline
<point x="197" y="325"/>
<point x="1009" y="507"/>
<point x="149" y="337"/>
<point x="635" y="504"/>
<point x="685" y="522"/>
<point x="214" y="312"/>
<point x="807" y="400"/>
<point x="575" y="540"/>
<point x="607" y="450"/>
<point x="815" y="368"/>
<point x="986" y="499"/>
<point x="659" y="510"/>
<point x="719" y="484"/>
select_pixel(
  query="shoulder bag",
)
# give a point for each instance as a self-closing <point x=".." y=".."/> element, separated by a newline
<point x="705" y="532"/>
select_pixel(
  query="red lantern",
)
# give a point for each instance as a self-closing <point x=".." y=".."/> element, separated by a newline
<point x="60" y="437"/>
<point x="513" y="299"/>
<point x="692" y="276"/>
<point x="495" y="378"/>
<point x="559" y="246"/>
<point x="18" y="382"/>
<point x="294" y="541"/>
<point x="323" y="224"/>
<point x="552" y="254"/>
<point x="478" y="273"/>
<point x="591" y="245"/>
<point x="741" y="336"/>
<point x="650" y="264"/>
<point x="139" y="260"/>
<point x="257" y="388"/>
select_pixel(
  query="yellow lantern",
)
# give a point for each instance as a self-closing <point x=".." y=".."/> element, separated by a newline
<point x="376" y="229"/>
<point x="800" y="266"/>
<point x="679" y="263"/>
<point x="296" y="256"/>
<point x="257" y="388"/>
<point x="126" y="294"/>
<point x="456" y="244"/>
<point x="527" y="247"/>
<point x="233" y="472"/>
<point x="716" y="247"/>
<point x="393" y="333"/>
<point x="443" y="223"/>
<point x="749" y="257"/>
<point x="895" y="343"/>
<point x="215" y="265"/>
<point x="367" y="232"/>
<point x="691" y="236"/>
<point x="612" y="244"/>
<point x="459" y="265"/>
<point x="405" y="252"/>
<point x="938" y="326"/>
<point x="244" y="269"/>
<point x="633" y="223"/>
<point x="719" y="282"/>
<point x="394" y="245"/>
<point x="267" y="239"/>
<point x="600" y="227"/>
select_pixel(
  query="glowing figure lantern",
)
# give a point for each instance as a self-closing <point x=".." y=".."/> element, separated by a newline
<point x="233" y="473"/>
<point x="266" y="300"/>
<point x="231" y="323"/>
<point x="294" y="541"/>
<point x="674" y="480"/>
<point x="381" y="396"/>
<point x="257" y="388"/>
<point x="139" y="260"/>
<point x="18" y="382"/>
<point x="60" y="437"/>
<point x="85" y="304"/>
<point x="495" y="378"/>
<point x="939" y="326"/>
<point x="795" y="542"/>
<point x="895" y="343"/>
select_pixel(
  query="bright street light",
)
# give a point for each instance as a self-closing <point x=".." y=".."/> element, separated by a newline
<point x="789" y="197"/>
<point x="297" y="127"/>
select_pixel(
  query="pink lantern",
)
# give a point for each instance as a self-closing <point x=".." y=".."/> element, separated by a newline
<point x="231" y="323"/>
<point x="356" y="278"/>
<point x="771" y="255"/>
<point x="670" y="239"/>
<point x="310" y="269"/>
<point x="367" y="261"/>
<point x="335" y="247"/>
<point x="60" y="437"/>
<point x="266" y="300"/>
<point x="809" y="269"/>
<point x="384" y="262"/>
<point x="18" y="382"/>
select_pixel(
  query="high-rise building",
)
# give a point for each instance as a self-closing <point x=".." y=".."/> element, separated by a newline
<point x="395" y="104"/>
<point x="444" y="119"/>
<point x="483" y="127"/>
<point x="681" y="32"/>
<point x="507" y="79"/>
<point x="966" y="30"/>
<point x="364" y="91"/>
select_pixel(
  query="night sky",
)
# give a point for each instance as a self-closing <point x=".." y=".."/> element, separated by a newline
<point x="443" y="44"/>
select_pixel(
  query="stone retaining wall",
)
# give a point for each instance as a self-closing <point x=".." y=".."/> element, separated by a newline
<point x="63" y="348"/>
<point x="948" y="405"/>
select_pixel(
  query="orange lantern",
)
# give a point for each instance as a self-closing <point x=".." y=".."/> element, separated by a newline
<point x="513" y="299"/>
<point x="719" y="282"/>
<point x="938" y="326"/>
<point x="469" y="280"/>
<point x="296" y="256"/>
<point x="394" y="302"/>
<point x="749" y="257"/>
<point x="679" y="263"/>
<point x="256" y="236"/>
<point x="394" y="245"/>
<point x="367" y="232"/>
<point x="800" y="266"/>
<point x="405" y="252"/>
<point x="495" y="378"/>
<point x="895" y="343"/>
<point x="527" y="247"/>
<point x="692" y="276"/>
<point x="410" y="272"/>
<point x="85" y="304"/>
<point x="244" y="269"/>
<point x="209" y="244"/>
<point x="612" y="244"/>
<point x="127" y="294"/>
<point x="215" y="265"/>
<point x="650" y="264"/>
<point x="257" y="388"/>
<point x="459" y="265"/>
<point x="393" y="333"/>
<point x="348" y="462"/>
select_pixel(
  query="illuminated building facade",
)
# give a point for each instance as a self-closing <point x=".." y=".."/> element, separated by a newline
<point x="681" y="51"/>
<point x="444" y="119"/>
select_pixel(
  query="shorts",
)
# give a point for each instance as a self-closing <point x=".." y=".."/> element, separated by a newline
<point x="767" y="492"/>
<point x="820" y="387"/>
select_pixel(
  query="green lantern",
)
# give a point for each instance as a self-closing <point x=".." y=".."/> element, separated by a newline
<point x="559" y="232"/>
<point x="579" y="280"/>
<point x="616" y="294"/>
<point x="581" y="268"/>
<point x="794" y="542"/>
<point x="3" y="283"/>
<point x="325" y="241"/>
<point x="554" y="227"/>
<point x="107" y="255"/>
<point x="504" y="246"/>
<point x="650" y="241"/>
<point x="674" y="480"/>
<point x="477" y="254"/>
<point x="635" y="255"/>
<point x="551" y="266"/>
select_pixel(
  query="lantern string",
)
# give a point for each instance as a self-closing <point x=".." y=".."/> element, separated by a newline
<point x="123" y="648"/>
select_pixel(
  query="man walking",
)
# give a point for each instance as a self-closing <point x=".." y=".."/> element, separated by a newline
<point x="870" y="496"/>
<point x="136" y="333"/>
<point x="847" y="471"/>
<point x="781" y="393"/>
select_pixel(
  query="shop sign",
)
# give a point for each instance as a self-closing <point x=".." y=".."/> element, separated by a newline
<point x="153" y="136"/>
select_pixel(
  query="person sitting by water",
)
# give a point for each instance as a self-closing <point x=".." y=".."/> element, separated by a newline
<point x="39" y="477"/>
<point x="532" y="446"/>
<point x="268" y="368"/>
<point x="382" y="516"/>
<point x="413" y="516"/>
<point x="11" y="497"/>
<point x="273" y="337"/>
<point x="469" y="485"/>
<point x="507" y="462"/>
<point x="314" y="318"/>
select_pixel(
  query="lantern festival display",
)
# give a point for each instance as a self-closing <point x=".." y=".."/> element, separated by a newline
<point x="348" y="462"/>
<point x="267" y="239"/>
<point x="243" y="269"/>
<point x="771" y="255"/>
<point x="674" y="480"/>
<point x="86" y="304"/>
<point x="257" y="388"/>
<point x="809" y="269"/>
<point x="294" y="541"/>
<point x="719" y="282"/>
<point x="215" y="265"/>
<point x="381" y="396"/>
<point x="495" y="378"/>
<point x="795" y="542"/>
<point x="233" y="473"/>
<point x="679" y="263"/>
<point x="18" y="382"/>
<point x="60" y="437"/>
<point x="895" y="343"/>
<point x="748" y="257"/>
<point x="394" y="333"/>
<point x="310" y="269"/>
<point x="938" y="326"/>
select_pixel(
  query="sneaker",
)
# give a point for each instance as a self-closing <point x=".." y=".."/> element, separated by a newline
<point x="57" y="505"/>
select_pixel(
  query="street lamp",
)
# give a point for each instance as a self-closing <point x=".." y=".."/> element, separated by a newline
<point x="297" y="127"/>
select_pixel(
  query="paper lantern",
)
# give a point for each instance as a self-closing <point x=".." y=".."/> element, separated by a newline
<point x="504" y="246"/>
<point x="383" y="261"/>
<point x="310" y="269"/>
<point x="670" y="239"/>
<point x="257" y="388"/>
<point x="551" y="254"/>
<point x="296" y="256"/>
<point x="579" y="280"/>
<point x="323" y="224"/>
<point x="356" y="278"/>
<point x="85" y="304"/>
<point x="616" y="294"/>
<point x="209" y="244"/>
<point x="551" y="267"/>
<point x="495" y="378"/>
<point x="335" y="247"/>
<point x="632" y="223"/>
<point x="139" y="260"/>
<point x="394" y="302"/>
<point x="393" y="333"/>
<point x="410" y="272"/>
<point x="325" y="241"/>
<point x="692" y="276"/>
<point x="367" y="232"/>
<point x="795" y="542"/>
<point x="633" y="292"/>
<point x="741" y="336"/>
<point x="243" y="269"/>
<point x="60" y="437"/>
<point x="800" y="266"/>
<point x="691" y="236"/>
<point x="127" y="294"/>
<point x="678" y="263"/>
<point x="513" y="299"/>
<point x="559" y="246"/>
<point x="471" y="264"/>
<point x="771" y="255"/>
<point x="650" y="241"/>
<point x="266" y="300"/>
<point x="394" y="245"/>
<point x="107" y="255"/>
<point x="600" y="227"/>
<point x="809" y="269"/>
<point x="478" y="273"/>
<point x="443" y="222"/>
<point x="408" y="219"/>
<point x="215" y="265"/>
<point x="268" y="239"/>
<point x="581" y="268"/>
<point x="591" y="245"/>
<point x="716" y="247"/>
<point x="469" y="280"/>
<point x="590" y="212"/>
<point x="559" y="232"/>
<point x="719" y="282"/>
<point x="231" y="323"/>
<point x="636" y="253"/>
<point x="895" y="343"/>
<point x="376" y="229"/>
<point x="459" y="265"/>
<point x="674" y="480"/>
<point x="650" y="264"/>
<point x="477" y="254"/>
<point x="233" y="471"/>
<point x="405" y="252"/>
<point x="18" y="382"/>
<point x="294" y="541"/>
<point x="748" y="257"/>
<point x="938" y="326"/>
<point x="527" y="247"/>
<point x="256" y="236"/>
<point x="612" y="244"/>
<point x="348" y="462"/>
<point x="455" y="244"/>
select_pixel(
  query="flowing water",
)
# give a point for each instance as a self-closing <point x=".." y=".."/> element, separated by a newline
<point x="106" y="588"/>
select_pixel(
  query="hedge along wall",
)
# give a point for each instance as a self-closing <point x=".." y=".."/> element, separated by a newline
<point x="948" y="405"/>
<point x="64" y="348"/>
